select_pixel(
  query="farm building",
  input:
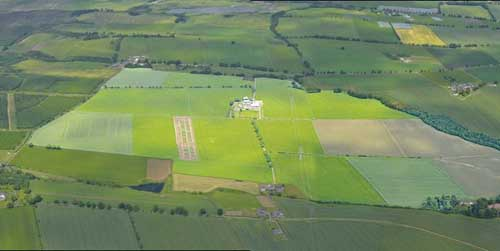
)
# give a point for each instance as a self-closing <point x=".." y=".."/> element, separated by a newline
<point x="250" y="104"/>
<point x="495" y="206"/>
<point x="398" y="9"/>
<point x="2" y="196"/>
<point x="462" y="88"/>
<point x="272" y="188"/>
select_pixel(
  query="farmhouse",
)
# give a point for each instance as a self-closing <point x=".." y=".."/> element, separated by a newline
<point x="272" y="188"/>
<point x="250" y="104"/>
<point x="462" y="88"/>
<point x="397" y="9"/>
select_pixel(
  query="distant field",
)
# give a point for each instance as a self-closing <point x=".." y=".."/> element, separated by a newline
<point x="452" y="58"/>
<point x="418" y="91"/>
<point x="102" y="132"/>
<point x="348" y="56"/>
<point x="486" y="74"/>
<point x="267" y="52"/>
<point x="495" y="10"/>
<point x="103" y="167"/>
<point x="65" y="69"/>
<point x="9" y="140"/>
<point x="33" y="111"/>
<point x="325" y="178"/>
<point x="4" y="121"/>
<point x="81" y="228"/>
<point x="67" y="48"/>
<point x="298" y="104"/>
<point x="460" y="35"/>
<point x="465" y="11"/>
<point x="41" y="83"/>
<point x="18" y="229"/>
<point x="406" y="182"/>
<point x="447" y="78"/>
<point x="154" y="136"/>
<point x="392" y="138"/>
<point x="136" y="78"/>
<point x="418" y="34"/>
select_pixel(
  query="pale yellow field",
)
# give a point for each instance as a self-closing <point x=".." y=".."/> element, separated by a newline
<point x="418" y="34"/>
<point x="191" y="183"/>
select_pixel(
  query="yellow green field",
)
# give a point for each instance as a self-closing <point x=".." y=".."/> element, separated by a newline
<point x="418" y="34"/>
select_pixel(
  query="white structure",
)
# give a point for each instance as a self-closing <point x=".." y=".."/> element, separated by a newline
<point x="2" y="197"/>
<point x="250" y="104"/>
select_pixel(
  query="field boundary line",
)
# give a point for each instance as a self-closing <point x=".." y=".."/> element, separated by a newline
<point x="394" y="139"/>
<point x="445" y="173"/>
<point x="368" y="181"/>
<point x="387" y="223"/>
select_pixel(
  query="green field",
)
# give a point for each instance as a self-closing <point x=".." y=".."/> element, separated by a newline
<point x="417" y="91"/>
<point x="41" y="83"/>
<point x="67" y="48"/>
<point x="79" y="228"/>
<point x="486" y="74"/>
<point x="135" y="78"/>
<point x="65" y="69"/>
<point x="406" y="182"/>
<point x="91" y="131"/>
<point x="69" y="191"/>
<point x="461" y="35"/>
<point x="454" y="58"/>
<point x="33" y="111"/>
<point x="154" y="136"/>
<point x="18" y="229"/>
<point x="102" y="167"/>
<point x="4" y="121"/>
<point x="465" y="11"/>
<point x="9" y="140"/>
<point x="325" y="178"/>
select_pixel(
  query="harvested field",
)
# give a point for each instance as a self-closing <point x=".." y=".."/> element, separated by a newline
<point x="408" y="137"/>
<point x="418" y="34"/>
<point x="206" y="184"/>
<point x="11" y="111"/>
<point x="266" y="201"/>
<point x="184" y="138"/>
<point x="159" y="169"/>
<point x="478" y="175"/>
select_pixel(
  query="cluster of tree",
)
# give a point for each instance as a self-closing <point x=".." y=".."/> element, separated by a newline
<point x="481" y="208"/>
<point x="52" y="147"/>
<point x="88" y="204"/>
<point x="77" y="13"/>
<point x="179" y="211"/>
<point x="440" y="122"/>
<point x="267" y="156"/>
<point x="128" y="207"/>
<point x="250" y="67"/>
<point x="139" y="10"/>
<point x="15" y="178"/>
<point x="180" y="18"/>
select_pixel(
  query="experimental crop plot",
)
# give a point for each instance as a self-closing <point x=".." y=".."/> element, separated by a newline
<point x="184" y="138"/>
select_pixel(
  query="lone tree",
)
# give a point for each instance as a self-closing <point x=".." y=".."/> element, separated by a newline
<point x="220" y="212"/>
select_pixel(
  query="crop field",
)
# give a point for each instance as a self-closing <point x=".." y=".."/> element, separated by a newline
<point x="486" y="74"/>
<point x="154" y="136"/>
<point x="61" y="190"/>
<point x="418" y="91"/>
<point x="494" y="10"/>
<point x="136" y="78"/>
<point x="4" y="121"/>
<point x="298" y="104"/>
<point x="465" y="11"/>
<point x="185" y="138"/>
<point x="177" y="79"/>
<point x="227" y="149"/>
<point x="191" y="183"/>
<point x="418" y="34"/>
<point x="43" y="111"/>
<point x="478" y="233"/>
<point x="40" y="83"/>
<point x="102" y="167"/>
<point x="80" y="228"/>
<point x="65" y="69"/>
<point x="102" y="132"/>
<point x="467" y="35"/>
<point x="324" y="178"/>
<point x="232" y="200"/>
<point x="333" y="55"/>
<point x="323" y="25"/>
<point x="267" y="52"/>
<point x="453" y="58"/>
<point x="478" y="175"/>
<point x="9" y="81"/>
<point x="9" y="140"/>
<point x="392" y="138"/>
<point x="406" y="182"/>
<point x="18" y="229"/>
<point x="445" y="79"/>
<point x="66" y="48"/>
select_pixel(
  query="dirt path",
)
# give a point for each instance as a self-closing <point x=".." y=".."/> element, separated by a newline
<point x="383" y="222"/>
<point x="11" y="111"/>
